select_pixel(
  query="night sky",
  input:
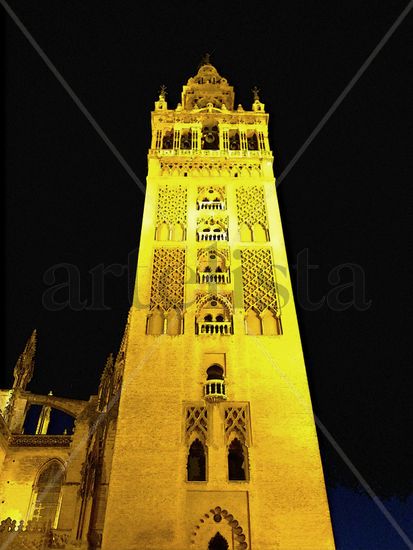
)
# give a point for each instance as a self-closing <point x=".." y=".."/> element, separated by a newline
<point x="71" y="206"/>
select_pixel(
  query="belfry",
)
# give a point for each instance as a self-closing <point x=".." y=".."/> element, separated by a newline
<point x="215" y="445"/>
<point x="201" y="435"/>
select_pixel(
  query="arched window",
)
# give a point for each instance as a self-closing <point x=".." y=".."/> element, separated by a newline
<point x="245" y="233"/>
<point x="196" y="462"/>
<point x="162" y="232"/>
<point x="252" y="142"/>
<point x="234" y="141"/>
<point x="212" y="230"/>
<point x="259" y="233"/>
<point x="210" y="137"/>
<point x="211" y="198"/>
<point x="173" y="322"/>
<point x="236" y="461"/>
<point x="213" y="317"/>
<point x="46" y="494"/>
<point x="178" y="232"/>
<point x="218" y="543"/>
<point x="253" y="323"/>
<point x="186" y="140"/>
<point x="215" y="372"/>
<point x="213" y="267"/>
<point x="155" y="322"/>
<point x="168" y="140"/>
<point x="270" y="323"/>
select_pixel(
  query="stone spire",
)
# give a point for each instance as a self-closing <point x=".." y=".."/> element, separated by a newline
<point x="106" y="385"/>
<point x="23" y="371"/>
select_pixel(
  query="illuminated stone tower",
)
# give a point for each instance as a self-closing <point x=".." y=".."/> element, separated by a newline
<point x="216" y="445"/>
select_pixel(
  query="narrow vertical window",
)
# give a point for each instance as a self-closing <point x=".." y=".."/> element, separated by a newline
<point x="236" y="461"/>
<point x="196" y="462"/>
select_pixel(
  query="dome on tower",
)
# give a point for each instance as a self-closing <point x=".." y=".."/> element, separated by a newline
<point x="207" y="86"/>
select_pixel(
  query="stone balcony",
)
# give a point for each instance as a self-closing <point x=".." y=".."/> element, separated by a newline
<point x="214" y="390"/>
<point x="19" y="440"/>
<point x="215" y="327"/>
<point x="212" y="236"/>
<point x="211" y="205"/>
<point x="213" y="278"/>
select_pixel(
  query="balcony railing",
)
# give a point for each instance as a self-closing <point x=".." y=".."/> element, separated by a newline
<point x="217" y="278"/>
<point x="212" y="236"/>
<point x="39" y="440"/>
<point x="211" y="205"/>
<point x="215" y="327"/>
<point x="214" y="390"/>
<point x="210" y="153"/>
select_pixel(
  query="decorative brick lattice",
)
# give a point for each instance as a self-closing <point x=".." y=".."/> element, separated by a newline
<point x="172" y="205"/>
<point x="258" y="281"/>
<point x="168" y="278"/>
<point x="251" y="206"/>
<point x="236" y="420"/>
<point x="210" y="168"/>
<point x="196" y="420"/>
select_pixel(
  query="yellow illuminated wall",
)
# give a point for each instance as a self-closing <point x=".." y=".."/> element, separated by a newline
<point x="213" y="289"/>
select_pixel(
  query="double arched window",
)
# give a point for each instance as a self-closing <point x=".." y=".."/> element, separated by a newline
<point x="159" y="322"/>
<point x="213" y="267"/>
<point x="268" y="323"/>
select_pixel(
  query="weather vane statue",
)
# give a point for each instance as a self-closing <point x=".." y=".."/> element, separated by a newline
<point x="163" y="92"/>
<point x="255" y="92"/>
<point x="206" y="60"/>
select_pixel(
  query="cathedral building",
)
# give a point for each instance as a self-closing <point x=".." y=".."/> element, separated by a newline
<point x="202" y="434"/>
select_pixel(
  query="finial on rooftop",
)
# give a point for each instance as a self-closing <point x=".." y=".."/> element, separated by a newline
<point x="23" y="371"/>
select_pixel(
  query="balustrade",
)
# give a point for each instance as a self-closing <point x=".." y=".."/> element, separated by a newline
<point x="215" y="327"/>
<point x="218" y="278"/>
<point x="214" y="390"/>
<point x="212" y="236"/>
<point x="211" y="205"/>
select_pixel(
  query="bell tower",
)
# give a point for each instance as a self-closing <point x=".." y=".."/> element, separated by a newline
<point x="216" y="445"/>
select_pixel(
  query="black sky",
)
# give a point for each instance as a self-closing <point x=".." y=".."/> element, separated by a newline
<point x="69" y="201"/>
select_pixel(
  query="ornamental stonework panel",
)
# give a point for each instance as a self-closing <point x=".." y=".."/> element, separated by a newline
<point x="196" y="420"/>
<point x="168" y="279"/>
<point x="172" y="205"/>
<point x="236" y="420"/>
<point x="258" y="281"/>
<point x="251" y="206"/>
